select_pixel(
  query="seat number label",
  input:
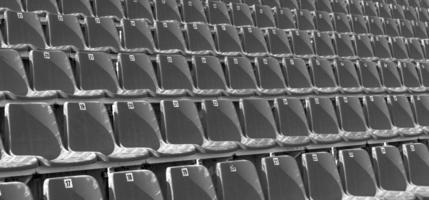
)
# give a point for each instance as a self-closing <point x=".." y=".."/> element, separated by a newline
<point x="232" y="168"/>
<point x="315" y="158"/>
<point x="129" y="177"/>
<point x="68" y="183"/>
<point x="276" y="161"/>
<point x="185" y="172"/>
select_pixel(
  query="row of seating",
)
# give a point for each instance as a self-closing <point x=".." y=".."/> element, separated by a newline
<point x="384" y="175"/>
<point x="33" y="139"/>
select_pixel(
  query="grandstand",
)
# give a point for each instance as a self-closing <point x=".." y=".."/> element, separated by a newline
<point x="214" y="99"/>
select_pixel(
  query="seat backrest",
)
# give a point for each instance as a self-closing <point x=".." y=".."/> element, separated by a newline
<point x="347" y="74"/>
<point x="174" y="72"/>
<point x="416" y="160"/>
<point x="269" y="73"/>
<point x="15" y="190"/>
<point x="12" y="73"/>
<point x="377" y="113"/>
<point x="109" y="8"/>
<point x="258" y="119"/>
<point x="323" y="117"/>
<point x="137" y="35"/>
<point x="190" y="182"/>
<point x="351" y="114"/>
<point x="369" y="74"/>
<point x="297" y="73"/>
<point x="24" y="28"/>
<point x="77" y="6"/>
<point x="31" y="129"/>
<point x="136" y="125"/>
<point x="291" y="117"/>
<point x="42" y="5"/>
<point x="401" y="111"/>
<point x="208" y="73"/>
<point x="102" y="33"/>
<point x="240" y="73"/>
<point x="71" y="188"/>
<point x="136" y="72"/>
<point x="60" y="34"/>
<point x="421" y="107"/>
<point x="138" y="9"/>
<point x="134" y="185"/>
<point x="238" y="180"/>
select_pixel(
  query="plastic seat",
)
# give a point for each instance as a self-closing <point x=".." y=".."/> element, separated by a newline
<point x="270" y="77"/>
<point x="359" y="24"/>
<point x="174" y="75"/>
<point x="258" y="124"/>
<point x="193" y="11"/>
<point x="238" y="180"/>
<point x="356" y="7"/>
<point x="253" y="41"/>
<point x="89" y="130"/>
<point x="370" y="76"/>
<point x="190" y="182"/>
<point x="308" y="4"/>
<point x="169" y="37"/>
<point x="378" y="117"/>
<point x="15" y="190"/>
<point x="323" y="119"/>
<point x="305" y="20"/>
<point x="399" y="49"/>
<point x="324" y="5"/>
<point x="391" y="27"/>
<point x="411" y="77"/>
<point x="391" y="173"/>
<point x="376" y="25"/>
<point x="297" y="76"/>
<point x="403" y="116"/>
<point x="23" y="30"/>
<point x="364" y="46"/>
<point x="133" y="185"/>
<point x="348" y="76"/>
<point x="40" y="139"/>
<point x="423" y="14"/>
<point x="209" y="76"/>
<point x="59" y="34"/>
<point x="322" y="178"/>
<point x="339" y="6"/>
<point x="137" y="36"/>
<point x="69" y="188"/>
<point x="285" y="18"/>
<point x="217" y="13"/>
<point x="109" y="8"/>
<point x="102" y="34"/>
<point x="344" y="46"/>
<point x="398" y="12"/>
<point x="342" y="23"/>
<point x="406" y="28"/>
<point x="292" y="4"/>
<point x="292" y="122"/>
<point x="264" y="16"/>
<point x="166" y="10"/>
<point x="282" y="178"/>
<point x="12" y="5"/>
<point x="136" y="73"/>
<point x="271" y="3"/>
<point x="140" y="9"/>
<point x="415" y="161"/>
<point x="419" y="29"/>
<point x="352" y="118"/>
<point x="359" y="177"/>
<point x="241" y="15"/>
<point x="42" y="5"/>
<point x="77" y="7"/>
<point x="323" y="73"/>
<point x="415" y="50"/>
<point x="136" y="127"/>
<point x="200" y="40"/>
<point x="370" y="8"/>
<point x="278" y="43"/>
<point x="324" y="22"/>
<point x="302" y="44"/>
<point x="324" y="45"/>
<point x="240" y="76"/>
<point x="421" y="109"/>
<point x="381" y="47"/>
<point x="182" y="125"/>
<point x="411" y="14"/>
<point x="392" y="78"/>
<point x="227" y="40"/>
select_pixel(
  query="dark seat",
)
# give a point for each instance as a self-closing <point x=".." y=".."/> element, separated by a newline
<point x="253" y="41"/>
<point x="302" y="44"/>
<point x="166" y="10"/>
<point x="323" y="73"/>
<point x="297" y="76"/>
<point x="324" y="123"/>
<point x="217" y="13"/>
<point x="209" y="76"/>
<point x="137" y="36"/>
<point x="305" y="20"/>
<point x="403" y="116"/>
<point x="292" y="121"/>
<point x="139" y="9"/>
<point x="415" y="50"/>
<point x="182" y="125"/>
<point x="278" y="43"/>
<point x="324" y="45"/>
<point x="339" y="6"/>
<point x="241" y="14"/>
<point x="324" y="5"/>
<point x="399" y="49"/>
<point x="378" y="117"/>
<point x="11" y="4"/>
<point x="40" y="139"/>
<point x="416" y="163"/>
<point x="344" y="46"/>
<point x="421" y="109"/>
<point x="270" y="77"/>
<point x="89" y="130"/>
<point x="308" y="4"/>
<point x="134" y="185"/>
<point x="285" y="18"/>
<point x="282" y="178"/>
<point x="342" y="23"/>
<point x="65" y="32"/>
<point x="174" y="75"/>
<point x="169" y="37"/>
<point x="348" y="76"/>
<point x="69" y="188"/>
<point x="102" y="34"/>
<point x="370" y="76"/>
<point x="15" y="190"/>
<point x="111" y="8"/>
<point x="359" y="178"/>
<point x="238" y="180"/>
<point x="352" y="118"/>
<point x="136" y="127"/>
<point x="376" y="25"/>
<point x="359" y="24"/>
<point x="42" y="5"/>
<point x="392" y="79"/>
<point x="391" y="27"/>
<point x="227" y="40"/>
<point x="190" y="182"/>
<point x="364" y="47"/>
<point x="193" y="11"/>
<point x="23" y="30"/>
<point x="258" y="124"/>
<point x="324" y="22"/>
<point x="240" y="76"/>
<point x="264" y="16"/>
<point x="356" y="7"/>
<point x="199" y="39"/>
<point x="77" y="7"/>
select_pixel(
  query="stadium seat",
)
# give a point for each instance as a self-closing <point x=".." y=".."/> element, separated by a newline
<point x="302" y="43"/>
<point x="308" y="4"/>
<point x="254" y="41"/>
<point x="77" y="7"/>
<point x="11" y="4"/>
<point x="391" y="173"/>
<point x="138" y="9"/>
<point x="421" y="109"/>
<point x="238" y="180"/>
<point x="324" y="22"/>
<point x="370" y="8"/>
<point x="102" y="34"/>
<point x="15" y="190"/>
<point x="240" y="76"/>
<point x="137" y="36"/>
<point x="424" y="72"/>
<point x="134" y="185"/>
<point x="410" y="74"/>
<point x="166" y="10"/>
<point x="364" y="47"/>
<point x="182" y="125"/>
<point x="61" y="37"/>
<point x="339" y="6"/>
<point x="270" y="77"/>
<point x="193" y="11"/>
<point x="169" y="37"/>
<point x="391" y="27"/>
<point x="342" y="23"/>
<point x="42" y="5"/>
<point x="145" y="132"/>
<point x="297" y="75"/>
<point x="111" y="8"/>
<point x="264" y="16"/>
<point x="403" y="116"/>
<point x="322" y="178"/>
<point x="292" y="121"/>
<point x="69" y="188"/>
<point x="399" y="49"/>
<point x="209" y="76"/>
<point x="415" y="160"/>
<point x="376" y="25"/>
<point x="174" y="75"/>
<point x="356" y="7"/>
<point x="392" y="79"/>
<point x="348" y="76"/>
<point x="324" y="45"/>
<point x="271" y="3"/>
<point x="305" y="20"/>
<point x="227" y="40"/>
<point x="41" y="139"/>
<point x="190" y="182"/>
<point x="378" y="117"/>
<point x="344" y="46"/>
<point x="352" y="118"/>
<point x="23" y="30"/>
<point x="359" y="24"/>
<point x="200" y="39"/>
<point x="282" y="178"/>
<point x="381" y="47"/>
<point x="89" y="130"/>
<point x="258" y="124"/>
<point x="278" y="43"/>
<point x="369" y="73"/>
<point x="359" y="178"/>
<point x="292" y="4"/>
<point x="323" y="120"/>
<point x="217" y="13"/>
<point x="415" y="50"/>
<point x="324" y="5"/>
<point x="406" y="29"/>
<point x="241" y="14"/>
<point x="419" y="29"/>
<point x="323" y="73"/>
<point x="285" y="18"/>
